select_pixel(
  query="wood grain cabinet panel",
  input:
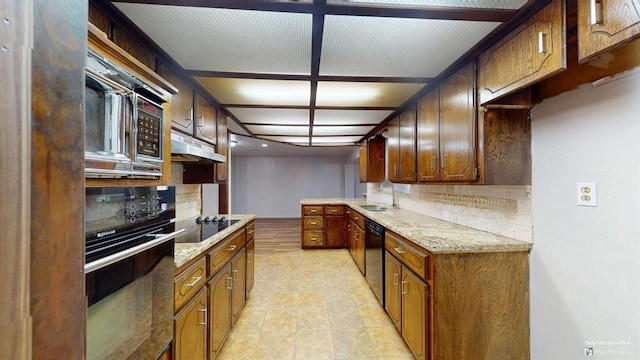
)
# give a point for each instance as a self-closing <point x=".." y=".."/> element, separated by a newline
<point x="334" y="227"/>
<point x="392" y="273"/>
<point x="393" y="149"/>
<point x="457" y="126"/>
<point x="415" y="307"/>
<point x="312" y="238"/>
<point x="189" y="282"/>
<point x="372" y="159"/>
<point x="313" y="222"/>
<point x="190" y="331"/>
<point x="239" y="284"/>
<point x="533" y="51"/>
<point x="251" y="250"/>
<point x="428" y="137"/>
<point x="606" y="24"/>
<point x="222" y="147"/>
<point x="133" y="47"/>
<point x="181" y="113"/>
<point x="206" y="116"/>
<point x="220" y="305"/>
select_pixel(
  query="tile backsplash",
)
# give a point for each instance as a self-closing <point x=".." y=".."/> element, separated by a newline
<point x="503" y="210"/>
<point x="188" y="196"/>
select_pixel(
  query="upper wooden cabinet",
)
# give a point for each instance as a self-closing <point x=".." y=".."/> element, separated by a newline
<point x="205" y="120"/>
<point x="402" y="147"/>
<point x="428" y="137"/>
<point x="457" y="126"/>
<point x="372" y="160"/>
<point x="181" y="114"/>
<point x="533" y="51"/>
<point x="222" y="148"/>
<point x="604" y="25"/>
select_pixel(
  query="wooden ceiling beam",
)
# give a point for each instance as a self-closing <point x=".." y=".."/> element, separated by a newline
<point x="409" y="12"/>
<point x="297" y="77"/>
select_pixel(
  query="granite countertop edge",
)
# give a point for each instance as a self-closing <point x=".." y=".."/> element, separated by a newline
<point x="434" y="235"/>
<point x="185" y="252"/>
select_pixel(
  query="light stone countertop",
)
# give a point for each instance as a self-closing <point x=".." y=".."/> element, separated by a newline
<point x="184" y="252"/>
<point x="434" y="235"/>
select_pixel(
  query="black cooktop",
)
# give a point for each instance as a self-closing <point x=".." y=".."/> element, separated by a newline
<point x="201" y="228"/>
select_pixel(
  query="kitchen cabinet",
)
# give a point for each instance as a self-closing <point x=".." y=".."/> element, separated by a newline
<point x="239" y="284"/>
<point x="606" y="25"/>
<point x="533" y="51"/>
<point x="181" y="114"/>
<point x="372" y="159"/>
<point x="222" y="147"/>
<point x="356" y="241"/>
<point x="457" y="126"/>
<point x="190" y="331"/>
<point x="406" y="294"/>
<point x="428" y="137"/>
<point x="402" y="147"/>
<point x="334" y="227"/>
<point x="220" y="305"/>
<point x="205" y="120"/>
<point x="251" y="249"/>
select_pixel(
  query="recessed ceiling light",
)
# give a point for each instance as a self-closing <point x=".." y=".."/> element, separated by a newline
<point x="264" y="145"/>
<point x="233" y="143"/>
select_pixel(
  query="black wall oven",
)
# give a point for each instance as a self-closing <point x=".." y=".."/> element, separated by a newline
<point x="129" y="271"/>
<point x="124" y="123"/>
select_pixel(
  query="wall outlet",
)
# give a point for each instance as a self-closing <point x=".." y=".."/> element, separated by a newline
<point x="587" y="194"/>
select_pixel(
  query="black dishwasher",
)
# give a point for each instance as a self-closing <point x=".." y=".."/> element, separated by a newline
<point x="374" y="258"/>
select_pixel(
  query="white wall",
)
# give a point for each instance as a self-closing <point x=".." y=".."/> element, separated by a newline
<point x="585" y="261"/>
<point x="273" y="187"/>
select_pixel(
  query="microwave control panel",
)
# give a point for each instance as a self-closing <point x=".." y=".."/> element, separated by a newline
<point x="149" y="129"/>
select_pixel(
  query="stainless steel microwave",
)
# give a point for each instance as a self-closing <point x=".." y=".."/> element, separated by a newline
<point x="124" y="135"/>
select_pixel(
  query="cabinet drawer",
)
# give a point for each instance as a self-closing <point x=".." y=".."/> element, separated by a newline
<point x="250" y="231"/>
<point x="334" y="210"/>
<point x="313" y="238"/>
<point x="313" y="222"/>
<point x="412" y="258"/>
<point x="540" y="40"/>
<point x="357" y="218"/>
<point x="226" y="250"/>
<point x="189" y="282"/>
<point x="312" y="210"/>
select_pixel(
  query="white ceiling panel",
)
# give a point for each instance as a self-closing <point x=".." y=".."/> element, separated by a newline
<point x="333" y="140"/>
<point x="279" y="130"/>
<point x="341" y="130"/>
<point x="370" y="46"/>
<point x="297" y="140"/>
<point x="492" y="4"/>
<point x="271" y="116"/>
<point x="228" y="40"/>
<point x="349" y="117"/>
<point x="364" y="93"/>
<point x="258" y="92"/>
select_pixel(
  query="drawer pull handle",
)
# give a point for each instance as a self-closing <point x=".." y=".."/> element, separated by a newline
<point x="313" y="211"/>
<point x="395" y="279"/>
<point x="193" y="283"/>
<point x="314" y="238"/>
<point x="232" y="247"/>
<point x="250" y="231"/>
<point x="399" y="250"/>
<point x="205" y="316"/>
<point x="541" y="42"/>
<point x="404" y="292"/>
<point x="313" y="223"/>
<point x="229" y="279"/>
<point x="595" y="12"/>
<point x="235" y="275"/>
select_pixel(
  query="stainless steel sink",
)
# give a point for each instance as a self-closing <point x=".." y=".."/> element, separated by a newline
<point x="375" y="208"/>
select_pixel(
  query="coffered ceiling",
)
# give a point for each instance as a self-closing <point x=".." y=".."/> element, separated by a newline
<point x="322" y="72"/>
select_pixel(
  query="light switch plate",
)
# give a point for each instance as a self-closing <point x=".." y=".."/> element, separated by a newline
<point x="587" y="194"/>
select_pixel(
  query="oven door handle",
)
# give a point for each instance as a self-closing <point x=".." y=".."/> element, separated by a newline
<point x="114" y="258"/>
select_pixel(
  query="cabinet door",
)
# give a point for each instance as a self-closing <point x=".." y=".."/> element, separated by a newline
<point x="392" y="273"/>
<point x="427" y="138"/>
<point x="414" y="313"/>
<point x="222" y="147"/>
<point x="359" y="247"/>
<point x="239" y="273"/>
<point x="533" y="51"/>
<point x="604" y="25"/>
<point x="393" y="144"/>
<point x="350" y="239"/>
<point x="191" y="330"/>
<point x="408" y="145"/>
<point x="334" y="232"/>
<point x="363" y="160"/>
<point x="181" y="105"/>
<point x="457" y="126"/>
<point x="251" y="246"/>
<point x="219" y="310"/>
<point x="205" y="127"/>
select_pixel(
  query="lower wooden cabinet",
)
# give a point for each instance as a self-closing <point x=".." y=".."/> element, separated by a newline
<point x="356" y="241"/>
<point x="407" y="299"/>
<point x="238" y="284"/>
<point x="251" y="249"/>
<point x="190" y="329"/>
<point x="220" y="314"/>
<point x="323" y="226"/>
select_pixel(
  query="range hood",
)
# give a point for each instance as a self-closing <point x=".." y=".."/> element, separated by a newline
<point x="188" y="149"/>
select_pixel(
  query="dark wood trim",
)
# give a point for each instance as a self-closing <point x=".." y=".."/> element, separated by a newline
<point x="296" y="77"/>
<point x="410" y="12"/>
<point x="307" y="107"/>
<point x="294" y="125"/>
<point x="15" y="176"/>
<point x="318" y="136"/>
<point x="58" y="304"/>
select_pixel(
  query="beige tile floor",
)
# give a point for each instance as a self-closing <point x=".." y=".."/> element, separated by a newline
<point x="312" y="304"/>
